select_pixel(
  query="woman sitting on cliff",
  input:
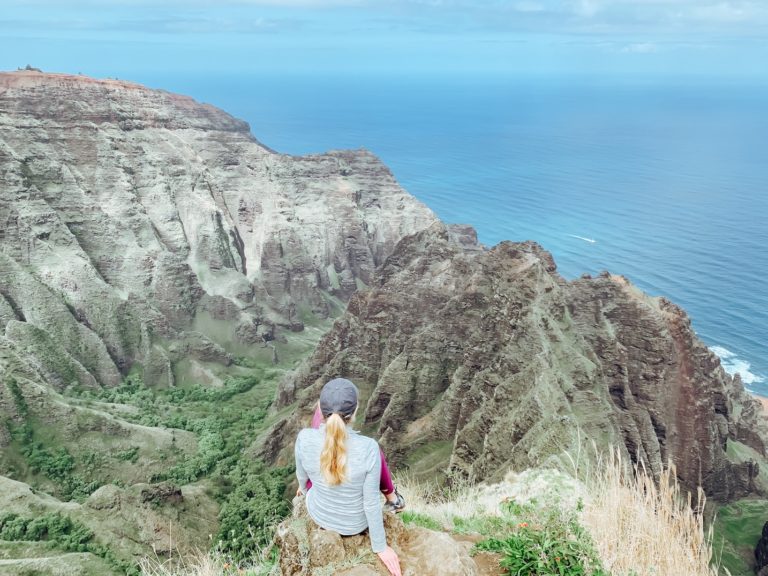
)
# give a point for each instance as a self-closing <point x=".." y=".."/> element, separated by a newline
<point x="344" y="471"/>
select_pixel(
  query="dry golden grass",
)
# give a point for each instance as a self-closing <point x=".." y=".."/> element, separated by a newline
<point x="644" y="527"/>
<point x="201" y="564"/>
<point x="639" y="527"/>
<point x="443" y="504"/>
<point x="466" y="500"/>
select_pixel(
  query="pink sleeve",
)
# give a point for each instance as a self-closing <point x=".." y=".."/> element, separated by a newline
<point x="317" y="418"/>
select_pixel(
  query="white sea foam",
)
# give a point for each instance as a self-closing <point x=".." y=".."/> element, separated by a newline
<point x="590" y="240"/>
<point x="735" y="365"/>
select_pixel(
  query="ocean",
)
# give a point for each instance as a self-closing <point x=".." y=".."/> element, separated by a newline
<point x="665" y="182"/>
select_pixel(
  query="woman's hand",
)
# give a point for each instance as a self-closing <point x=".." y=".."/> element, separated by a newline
<point x="391" y="561"/>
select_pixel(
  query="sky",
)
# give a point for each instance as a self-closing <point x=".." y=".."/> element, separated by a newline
<point x="130" y="38"/>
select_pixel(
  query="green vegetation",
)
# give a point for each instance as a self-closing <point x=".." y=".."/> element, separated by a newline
<point x="422" y="520"/>
<point x="740" y="453"/>
<point x="538" y="534"/>
<point x="62" y="533"/>
<point x="251" y="510"/>
<point x="58" y="465"/>
<point x="159" y="407"/>
<point x="53" y="355"/>
<point x="544" y="541"/>
<point x="738" y="527"/>
<point x="224" y="421"/>
<point x="130" y="455"/>
<point x="430" y="459"/>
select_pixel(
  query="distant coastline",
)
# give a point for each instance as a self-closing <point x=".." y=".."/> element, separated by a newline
<point x="530" y="160"/>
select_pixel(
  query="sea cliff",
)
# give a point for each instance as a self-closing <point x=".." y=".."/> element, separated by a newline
<point x="173" y="293"/>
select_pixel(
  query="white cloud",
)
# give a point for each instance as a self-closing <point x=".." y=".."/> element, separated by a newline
<point x="528" y="6"/>
<point x="633" y="18"/>
<point x="641" y="48"/>
<point x="588" y="8"/>
<point x="725" y="12"/>
<point x="209" y="4"/>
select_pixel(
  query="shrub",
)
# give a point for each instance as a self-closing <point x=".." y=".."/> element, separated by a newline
<point x="129" y="455"/>
<point x="60" y="530"/>
<point x="57" y="465"/>
<point x="250" y="512"/>
<point x="63" y="533"/>
<point x="551" y="543"/>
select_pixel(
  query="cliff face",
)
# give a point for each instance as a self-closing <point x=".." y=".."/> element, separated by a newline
<point x="130" y="215"/>
<point x="485" y="360"/>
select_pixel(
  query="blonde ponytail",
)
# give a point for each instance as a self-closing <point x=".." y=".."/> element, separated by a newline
<point x="333" y="458"/>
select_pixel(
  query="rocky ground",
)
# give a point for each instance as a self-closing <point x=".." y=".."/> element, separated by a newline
<point x="307" y="550"/>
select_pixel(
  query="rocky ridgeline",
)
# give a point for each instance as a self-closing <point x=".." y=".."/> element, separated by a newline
<point x="129" y="215"/>
<point x="478" y="361"/>
<point x="307" y="550"/>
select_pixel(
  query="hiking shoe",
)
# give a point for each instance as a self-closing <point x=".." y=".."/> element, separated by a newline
<point x="397" y="505"/>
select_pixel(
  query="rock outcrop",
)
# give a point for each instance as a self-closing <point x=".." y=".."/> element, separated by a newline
<point x="761" y="553"/>
<point x="307" y="550"/>
<point x="130" y="216"/>
<point x="481" y="361"/>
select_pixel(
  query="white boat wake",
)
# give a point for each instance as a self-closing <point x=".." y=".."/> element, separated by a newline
<point x="590" y="240"/>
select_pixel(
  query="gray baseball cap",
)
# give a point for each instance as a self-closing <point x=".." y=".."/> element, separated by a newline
<point x="339" y="396"/>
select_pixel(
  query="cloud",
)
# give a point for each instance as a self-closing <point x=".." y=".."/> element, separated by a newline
<point x="194" y="4"/>
<point x="529" y="6"/>
<point x="644" y="18"/>
<point x="641" y="48"/>
<point x="588" y="8"/>
<point x="157" y="25"/>
<point x="600" y="17"/>
<point x="728" y="12"/>
<point x="201" y="25"/>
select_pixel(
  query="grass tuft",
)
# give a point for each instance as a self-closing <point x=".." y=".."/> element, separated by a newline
<point x="641" y="526"/>
<point x="417" y="519"/>
<point x="208" y="564"/>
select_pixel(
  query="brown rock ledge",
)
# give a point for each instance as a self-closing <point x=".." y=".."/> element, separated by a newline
<point x="306" y="549"/>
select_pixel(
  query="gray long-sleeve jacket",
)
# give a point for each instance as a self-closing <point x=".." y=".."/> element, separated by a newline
<point x="350" y="507"/>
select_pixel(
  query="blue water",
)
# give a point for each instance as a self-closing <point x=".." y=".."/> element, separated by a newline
<point x="670" y="180"/>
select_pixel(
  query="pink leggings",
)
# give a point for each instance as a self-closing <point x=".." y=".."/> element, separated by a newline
<point x="385" y="484"/>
